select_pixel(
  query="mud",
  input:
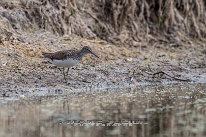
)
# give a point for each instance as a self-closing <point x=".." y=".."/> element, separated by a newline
<point x="24" y="72"/>
<point x="26" y="31"/>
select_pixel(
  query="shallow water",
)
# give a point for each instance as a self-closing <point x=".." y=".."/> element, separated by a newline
<point x="166" y="110"/>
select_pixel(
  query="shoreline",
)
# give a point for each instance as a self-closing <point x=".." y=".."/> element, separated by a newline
<point x="35" y="93"/>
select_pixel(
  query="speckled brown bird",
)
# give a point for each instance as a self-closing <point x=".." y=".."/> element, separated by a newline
<point x="68" y="58"/>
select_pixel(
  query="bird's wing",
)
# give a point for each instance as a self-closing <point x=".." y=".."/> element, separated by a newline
<point x="61" y="54"/>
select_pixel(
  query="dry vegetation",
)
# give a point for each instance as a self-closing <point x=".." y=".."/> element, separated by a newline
<point x="119" y="21"/>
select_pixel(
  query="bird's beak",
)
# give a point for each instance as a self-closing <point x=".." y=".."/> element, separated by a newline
<point x="94" y="54"/>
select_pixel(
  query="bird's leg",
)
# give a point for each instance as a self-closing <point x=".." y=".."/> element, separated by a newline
<point x="67" y="71"/>
<point x="64" y="75"/>
<point x="60" y="70"/>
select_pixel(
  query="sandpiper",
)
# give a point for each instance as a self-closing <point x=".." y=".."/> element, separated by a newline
<point x="68" y="58"/>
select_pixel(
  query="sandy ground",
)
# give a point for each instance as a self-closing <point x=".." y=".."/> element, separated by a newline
<point x="23" y="69"/>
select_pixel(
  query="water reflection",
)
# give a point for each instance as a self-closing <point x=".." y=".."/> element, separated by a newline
<point x="173" y="110"/>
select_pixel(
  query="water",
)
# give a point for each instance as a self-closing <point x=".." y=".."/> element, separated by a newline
<point x="153" y="111"/>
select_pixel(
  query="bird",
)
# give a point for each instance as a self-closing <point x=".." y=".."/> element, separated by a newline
<point x="68" y="58"/>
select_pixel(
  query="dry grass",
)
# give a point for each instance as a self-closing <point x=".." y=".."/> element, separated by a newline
<point x="119" y="21"/>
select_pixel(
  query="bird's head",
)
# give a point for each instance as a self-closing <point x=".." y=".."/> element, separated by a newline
<point x="87" y="49"/>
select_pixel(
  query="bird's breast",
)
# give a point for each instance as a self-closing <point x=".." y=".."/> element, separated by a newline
<point x="67" y="63"/>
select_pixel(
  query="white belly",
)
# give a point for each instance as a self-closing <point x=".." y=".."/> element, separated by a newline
<point x="67" y="63"/>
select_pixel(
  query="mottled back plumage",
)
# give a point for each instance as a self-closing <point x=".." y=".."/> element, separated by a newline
<point x="74" y="54"/>
<point x="61" y="55"/>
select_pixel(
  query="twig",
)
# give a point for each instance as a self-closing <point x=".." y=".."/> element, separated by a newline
<point x="163" y="73"/>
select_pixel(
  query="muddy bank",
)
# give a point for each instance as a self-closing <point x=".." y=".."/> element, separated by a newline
<point x="24" y="71"/>
<point x="123" y="62"/>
